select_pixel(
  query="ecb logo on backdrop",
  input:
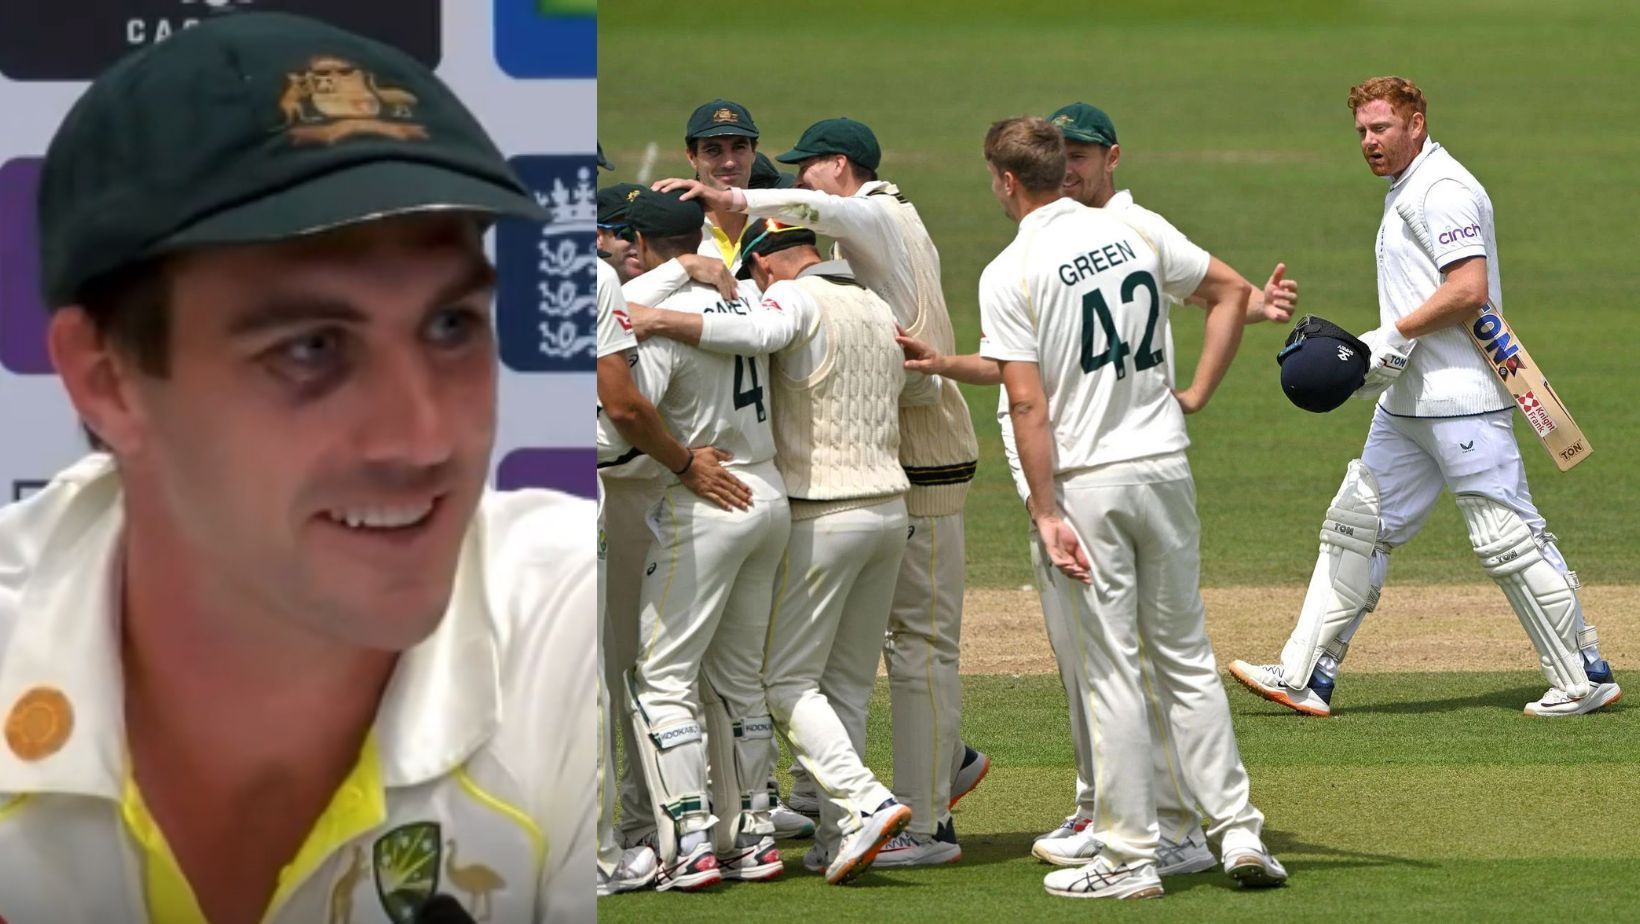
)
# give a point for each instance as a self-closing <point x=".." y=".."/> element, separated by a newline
<point x="89" y="35"/>
<point x="547" y="275"/>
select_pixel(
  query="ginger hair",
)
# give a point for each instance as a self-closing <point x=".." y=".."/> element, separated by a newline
<point x="1402" y="95"/>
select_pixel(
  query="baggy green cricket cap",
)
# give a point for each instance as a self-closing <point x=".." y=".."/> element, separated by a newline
<point x="657" y="214"/>
<point x="837" y="136"/>
<point x="1084" y="123"/>
<point x="765" y="175"/>
<point x="614" y="201"/>
<point x="251" y="128"/>
<point x="720" y="117"/>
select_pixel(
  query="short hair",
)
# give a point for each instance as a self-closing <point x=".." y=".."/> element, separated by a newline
<point x="130" y="308"/>
<point x="862" y="174"/>
<point x="673" y="245"/>
<point x="1402" y="95"/>
<point x="1031" y="149"/>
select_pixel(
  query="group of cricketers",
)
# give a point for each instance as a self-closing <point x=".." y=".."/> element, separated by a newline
<point x="784" y="456"/>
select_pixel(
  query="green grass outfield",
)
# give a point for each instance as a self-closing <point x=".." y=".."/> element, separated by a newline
<point x="1233" y="125"/>
<point x="1428" y="795"/>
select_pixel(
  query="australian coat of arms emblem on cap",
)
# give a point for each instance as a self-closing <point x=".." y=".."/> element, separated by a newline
<point x="334" y="99"/>
<point x="725" y="115"/>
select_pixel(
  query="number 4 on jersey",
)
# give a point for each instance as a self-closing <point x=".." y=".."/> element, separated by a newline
<point x="752" y="395"/>
<point x="1116" y="349"/>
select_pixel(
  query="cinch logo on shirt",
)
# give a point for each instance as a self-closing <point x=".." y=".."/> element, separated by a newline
<point x="1457" y="234"/>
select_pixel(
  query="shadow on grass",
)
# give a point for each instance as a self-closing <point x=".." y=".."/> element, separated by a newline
<point x="1512" y="699"/>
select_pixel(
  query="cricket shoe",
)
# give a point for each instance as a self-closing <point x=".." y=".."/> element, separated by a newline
<point x="1181" y="858"/>
<point x="754" y="859"/>
<point x="803" y="800"/>
<point x="1555" y="703"/>
<point x="858" y="850"/>
<point x="974" y="767"/>
<point x="1254" y="868"/>
<point x="908" y="849"/>
<point x="1103" y="879"/>
<point x="816" y="859"/>
<point x="638" y="868"/>
<point x="1070" y="844"/>
<point x="1266" y="681"/>
<point x="789" y="825"/>
<point x="696" y="867"/>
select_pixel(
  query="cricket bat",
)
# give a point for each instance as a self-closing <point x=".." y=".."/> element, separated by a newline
<point x="1499" y="346"/>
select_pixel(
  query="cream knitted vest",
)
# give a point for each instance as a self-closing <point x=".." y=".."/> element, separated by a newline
<point x="835" y="431"/>
<point x="937" y="445"/>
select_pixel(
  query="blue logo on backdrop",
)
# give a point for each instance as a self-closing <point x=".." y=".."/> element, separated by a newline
<point x="547" y="275"/>
<point x="547" y="38"/>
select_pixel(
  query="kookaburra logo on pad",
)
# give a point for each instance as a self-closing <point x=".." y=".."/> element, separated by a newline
<point x="334" y="99"/>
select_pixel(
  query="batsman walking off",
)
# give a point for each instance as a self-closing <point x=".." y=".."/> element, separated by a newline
<point x="1443" y="420"/>
<point x="1071" y="309"/>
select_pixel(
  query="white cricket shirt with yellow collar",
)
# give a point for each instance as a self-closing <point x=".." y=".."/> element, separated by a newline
<point x="476" y="780"/>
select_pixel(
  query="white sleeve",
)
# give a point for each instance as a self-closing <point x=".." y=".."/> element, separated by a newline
<point x="1007" y="328"/>
<point x="614" y="328"/>
<point x="1184" y="264"/>
<point x="1452" y="214"/>
<point x="656" y="284"/>
<point x="769" y="325"/>
<point x="852" y="219"/>
<point x="1010" y="447"/>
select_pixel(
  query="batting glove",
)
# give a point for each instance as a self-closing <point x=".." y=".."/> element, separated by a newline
<point x="1389" y="351"/>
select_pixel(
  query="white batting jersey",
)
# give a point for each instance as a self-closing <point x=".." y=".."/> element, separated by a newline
<point x="1080" y="292"/>
<point x="706" y="398"/>
<point x="1181" y="249"/>
<point x="1445" y="375"/>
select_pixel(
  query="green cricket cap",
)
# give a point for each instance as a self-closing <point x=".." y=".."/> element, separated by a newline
<point x="767" y="236"/>
<point x="1084" y="123"/>
<point x="837" y="136"/>
<point x="720" y="117"/>
<point x="614" y="201"/>
<point x="765" y="175"/>
<point x="255" y="127"/>
<point x="657" y="214"/>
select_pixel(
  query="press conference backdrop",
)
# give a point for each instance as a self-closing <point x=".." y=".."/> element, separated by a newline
<point x="525" y="67"/>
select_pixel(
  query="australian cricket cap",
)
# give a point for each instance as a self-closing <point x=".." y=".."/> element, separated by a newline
<point x="837" y="136"/>
<point x="614" y="201"/>
<point x="720" y="117"/>
<point x="1084" y="123"/>
<point x="250" y="128"/>
<point x="765" y="175"/>
<point x="657" y="214"/>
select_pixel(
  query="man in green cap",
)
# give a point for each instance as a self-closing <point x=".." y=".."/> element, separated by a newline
<point x="721" y="143"/>
<point x="277" y="654"/>
<point x="880" y="234"/>
<point x="706" y="593"/>
<point x="615" y="235"/>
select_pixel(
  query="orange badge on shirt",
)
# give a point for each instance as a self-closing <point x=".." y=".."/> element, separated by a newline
<point x="39" y="723"/>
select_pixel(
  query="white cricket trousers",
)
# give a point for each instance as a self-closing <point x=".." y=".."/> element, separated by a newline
<point x="1138" y="522"/>
<point x="831" y="608"/>
<point x="920" y="656"/>
<point x="1176" y="810"/>
<point x="625" y="547"/>
<point x="707" y="589"/>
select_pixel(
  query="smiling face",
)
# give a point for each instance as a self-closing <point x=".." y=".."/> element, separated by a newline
<point x="724" y="160"/>
<point x="622" y="246"/>
<point x="1390" y="140"/>
<point x="1090" y="172"/>
<point x="323" y="434"/>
